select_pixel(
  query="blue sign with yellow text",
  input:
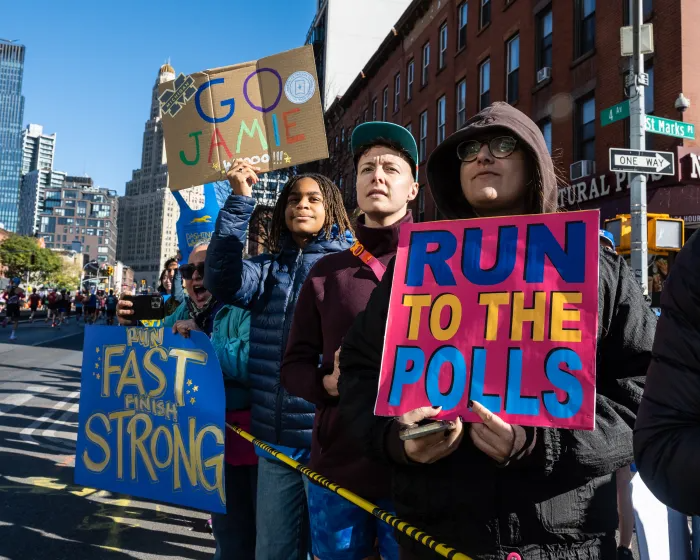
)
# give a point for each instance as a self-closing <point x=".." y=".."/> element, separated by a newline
<point x="151" y="421"/>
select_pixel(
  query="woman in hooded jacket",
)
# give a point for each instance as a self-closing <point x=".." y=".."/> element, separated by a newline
<point x="494" y="490"/>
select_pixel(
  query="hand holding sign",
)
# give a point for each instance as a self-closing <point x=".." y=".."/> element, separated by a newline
<point x="495" y="437"/>
<point x="242" y="176"/>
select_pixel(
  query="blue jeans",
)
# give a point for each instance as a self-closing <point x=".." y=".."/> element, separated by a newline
<point x="234" y="531"/>
<point x="282" y="515"/>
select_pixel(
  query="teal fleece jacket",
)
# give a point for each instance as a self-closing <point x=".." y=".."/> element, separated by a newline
<point x="230" y="339"/>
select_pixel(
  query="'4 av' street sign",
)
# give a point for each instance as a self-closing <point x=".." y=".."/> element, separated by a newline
<point x="615" y="113"/>
<point x="635" y="161"/>
<point x="668" y="127"/>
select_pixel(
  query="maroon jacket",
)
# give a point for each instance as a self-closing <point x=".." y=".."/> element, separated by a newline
<point x="337" y="289"/>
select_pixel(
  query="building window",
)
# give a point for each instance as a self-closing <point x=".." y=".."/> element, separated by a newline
<point x="441" y="110"/>
<point x="461" y="103"/>
<point x="585" y="127"/>
<point x="585" y="26"/>
<point x="485" y="84"/>
<point x="546" y="128"/>
<point x="649" y="91"/>
<point x="397" y="92"/>
<point x="649" y="103"/>
<point x="462" y="13"/>
<point x="485" y="13"/>
<point x="364" y="116"/>
<point x="423" y="141"/>
<point x="648" y="8"/>
<point x="426" y="63"/>
<point x="410" y="70"/>
<point x="442" y="57"/>
<point x="374" y="109"/>
<point x="342" y="135"/>
<point x="385" y="103"/>
<point x="513" y="70"/>
<point x="544" y="39"/>
<point x="409" y="127"/>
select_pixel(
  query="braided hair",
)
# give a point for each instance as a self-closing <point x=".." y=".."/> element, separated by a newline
<point x="332" y="202"/>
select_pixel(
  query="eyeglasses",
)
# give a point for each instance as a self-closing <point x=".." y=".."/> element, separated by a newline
<point x="188" y="270"/>
<point x="500" y="147"/>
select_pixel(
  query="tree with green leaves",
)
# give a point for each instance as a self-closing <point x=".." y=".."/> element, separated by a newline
<point x="21" y="255"/>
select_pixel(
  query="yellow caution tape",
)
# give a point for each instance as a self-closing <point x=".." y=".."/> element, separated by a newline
<point x="413" y="532"/>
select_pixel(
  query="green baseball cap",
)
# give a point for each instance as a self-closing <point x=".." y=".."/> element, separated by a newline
<point x="368" y="132"/>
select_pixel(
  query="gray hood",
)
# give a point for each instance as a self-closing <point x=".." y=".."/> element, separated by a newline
<point x="444" y="166"/>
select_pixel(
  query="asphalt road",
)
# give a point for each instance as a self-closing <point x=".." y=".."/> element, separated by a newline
<point x="43" y="514"/>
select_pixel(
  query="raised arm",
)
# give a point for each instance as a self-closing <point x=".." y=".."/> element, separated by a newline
<point x="228" y="276"/>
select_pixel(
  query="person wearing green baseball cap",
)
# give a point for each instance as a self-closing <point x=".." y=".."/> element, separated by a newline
<point x="336" y="290"/>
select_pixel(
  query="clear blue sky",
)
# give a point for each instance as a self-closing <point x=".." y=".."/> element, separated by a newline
<point x="90" y="66"/>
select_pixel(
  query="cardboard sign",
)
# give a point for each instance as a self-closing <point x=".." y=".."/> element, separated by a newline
<point x="151" y="420"/>
<point x="503" y="311"/>
<point x="268" y="112"/>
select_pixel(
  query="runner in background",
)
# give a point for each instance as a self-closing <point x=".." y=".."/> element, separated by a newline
<point x="66" y="305"/>
<point x="51" y="303"/>
<point x="78" y="306"/>
<point x="308" y="222"/>
<point x="90" y="307"/>
<point x="34" y="301"/>
<point x="13" y="297"/>
<point x="111" y="307"/>
<point x="337" y="289"/>
<point x="496" y="490"/>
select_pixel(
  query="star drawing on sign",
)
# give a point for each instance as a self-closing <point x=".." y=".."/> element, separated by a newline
<point x="287" y="159"/>
<point x="97" y="349"/>
<point x="187" y="392"/>
<point x="215" y="166"/>
<point x="189" y="382"/>
<point x="192" y="400"/>
<point x="98" y="376"/>
<point x="97" y="366"/>
<point x="195" y="388"/>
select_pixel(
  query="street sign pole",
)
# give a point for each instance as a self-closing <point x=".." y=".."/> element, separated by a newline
<point x="638" y="181"/>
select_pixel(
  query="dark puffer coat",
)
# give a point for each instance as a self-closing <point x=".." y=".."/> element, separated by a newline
<point x="667" y="433"/>
<point x="269" y="286"/>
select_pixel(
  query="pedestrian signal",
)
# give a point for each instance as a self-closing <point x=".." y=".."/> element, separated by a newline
<point x="664" y="234"/>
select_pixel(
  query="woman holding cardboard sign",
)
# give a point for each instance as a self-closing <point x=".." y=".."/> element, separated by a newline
<point x="491" y="489"/>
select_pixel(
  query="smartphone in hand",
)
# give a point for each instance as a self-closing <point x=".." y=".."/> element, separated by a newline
<point x="146" y="307"/>
<point x="421" y="430"/>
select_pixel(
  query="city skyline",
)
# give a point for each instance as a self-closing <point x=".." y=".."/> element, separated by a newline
<point x="91" y="88"/>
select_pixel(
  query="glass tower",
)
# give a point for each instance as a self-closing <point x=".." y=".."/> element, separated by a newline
<point x="11" y="115"/>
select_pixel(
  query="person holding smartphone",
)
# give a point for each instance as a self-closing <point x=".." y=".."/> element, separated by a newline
<point x="228" y="328"/>
<point x="493" y="490"/>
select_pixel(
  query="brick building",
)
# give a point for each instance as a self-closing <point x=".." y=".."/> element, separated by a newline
<point x="558" y="62"/>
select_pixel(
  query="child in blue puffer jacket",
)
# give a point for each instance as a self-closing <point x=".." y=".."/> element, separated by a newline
<point x="309" y="221"/>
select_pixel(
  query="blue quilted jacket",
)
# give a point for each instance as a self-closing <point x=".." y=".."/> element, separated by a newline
<point x="268" y="285"/>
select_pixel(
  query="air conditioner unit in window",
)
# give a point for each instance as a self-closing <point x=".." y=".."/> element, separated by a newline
<point x="544" y="74"/>
<point x="581" y="169"/>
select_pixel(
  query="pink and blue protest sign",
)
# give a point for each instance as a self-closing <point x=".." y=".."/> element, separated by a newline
<point x="503" y="311"/>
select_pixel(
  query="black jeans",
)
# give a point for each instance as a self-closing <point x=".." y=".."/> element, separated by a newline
<point x="234" y="531"/>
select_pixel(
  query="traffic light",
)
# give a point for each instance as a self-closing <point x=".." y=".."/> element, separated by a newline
<point x="110" y="271"/>
<point x="664" y="234"/>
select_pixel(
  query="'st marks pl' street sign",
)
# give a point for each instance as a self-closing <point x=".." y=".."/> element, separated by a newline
<point x="636" y="161"/>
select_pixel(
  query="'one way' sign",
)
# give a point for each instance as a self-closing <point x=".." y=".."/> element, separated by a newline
<point x="635" y="161"/>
